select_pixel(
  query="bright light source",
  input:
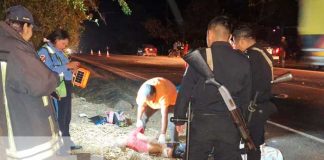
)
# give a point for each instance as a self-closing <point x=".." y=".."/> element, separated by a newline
<point x="274" y="30"/>
<point x="277" y="50"/>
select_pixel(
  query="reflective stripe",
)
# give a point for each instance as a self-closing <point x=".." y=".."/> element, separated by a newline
<point x="61" y="75"/>
<point x="185" y="72"/>
<point x="50" y="50"/>
<point x="50" y="120"/>
<point x="45" y="101"/>
<point x="12" y="146"/>
<point x="41" y="151"/>
<point x="209" y="58"/>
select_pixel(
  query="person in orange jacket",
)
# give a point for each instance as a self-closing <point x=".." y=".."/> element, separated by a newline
<point x="157" y="94"/>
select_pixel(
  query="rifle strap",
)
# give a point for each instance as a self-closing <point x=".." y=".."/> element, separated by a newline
<point x="252" y="107"/>
<point x="266" y="58"/>
<point x="209" y="58"/>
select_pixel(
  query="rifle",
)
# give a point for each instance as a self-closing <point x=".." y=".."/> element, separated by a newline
<point x="253" y="106"/>
<point x="283" y="78"/>
<point x="195" y="60"/>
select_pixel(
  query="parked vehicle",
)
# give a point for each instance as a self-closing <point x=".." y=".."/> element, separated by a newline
<point x="278" y="55"/>
<point x="147" y="50"/>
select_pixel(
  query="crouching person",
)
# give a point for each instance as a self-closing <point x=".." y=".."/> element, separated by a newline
<point x="157" y="94"/>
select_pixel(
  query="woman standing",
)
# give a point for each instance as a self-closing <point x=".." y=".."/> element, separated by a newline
<point x="52" y="54"/>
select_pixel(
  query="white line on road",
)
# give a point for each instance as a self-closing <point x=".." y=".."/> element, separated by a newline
<point x="303" y="86"/>
<point x="299" y="70"/>
<point x="297" y="132"/>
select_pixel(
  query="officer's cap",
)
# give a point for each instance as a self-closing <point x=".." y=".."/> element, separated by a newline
<point x="20" y="13"/>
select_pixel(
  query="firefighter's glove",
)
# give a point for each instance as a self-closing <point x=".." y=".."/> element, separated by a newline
<point x="161" y="138"/>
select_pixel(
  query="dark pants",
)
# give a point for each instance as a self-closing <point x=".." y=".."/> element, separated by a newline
<point x="257" y="135"/>
<point x="256" y="127"/>
<point x="218" y="131"/>
<point x="64" y="111"/>
<point x="171" y="126"/>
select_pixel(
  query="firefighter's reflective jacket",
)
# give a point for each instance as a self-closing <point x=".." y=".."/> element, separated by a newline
<point x="27" y="126"/>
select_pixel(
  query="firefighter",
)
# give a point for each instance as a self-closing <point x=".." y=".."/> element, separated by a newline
<point x="26" y="111"/>
<point x="262" y="74"/>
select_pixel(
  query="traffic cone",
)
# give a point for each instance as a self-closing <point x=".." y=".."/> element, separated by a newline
<point x="99" y="53"/>
<point x="91" y="52"/>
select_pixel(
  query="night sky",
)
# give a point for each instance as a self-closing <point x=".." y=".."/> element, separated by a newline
<point x="124" y="34"/>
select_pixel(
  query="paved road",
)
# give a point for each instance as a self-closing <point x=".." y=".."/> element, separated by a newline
<point x="297" y="129"/>
<point x="139" y="68"/>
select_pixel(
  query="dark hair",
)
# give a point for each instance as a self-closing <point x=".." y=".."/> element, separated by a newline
<point x="58" y="34"/>
<point x="244" y="31"/>
<point x="16" y="25"/>
<point x="220" y="21"/>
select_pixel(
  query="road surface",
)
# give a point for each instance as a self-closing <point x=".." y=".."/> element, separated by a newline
<point x="297" y="129"/>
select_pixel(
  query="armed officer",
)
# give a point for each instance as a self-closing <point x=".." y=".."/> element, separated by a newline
<point x="212" y="125"/>
<point x="262" y="74"/>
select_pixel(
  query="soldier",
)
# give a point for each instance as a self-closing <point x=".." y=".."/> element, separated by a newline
<point x="262" y="74"/>
<point x="211" y="124"/>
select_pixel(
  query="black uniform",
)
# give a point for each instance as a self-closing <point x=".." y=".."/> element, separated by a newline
<point x="261" y="78"/>
<point x="211" y="123"/>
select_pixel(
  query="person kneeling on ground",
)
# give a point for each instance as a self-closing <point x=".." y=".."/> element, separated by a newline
<point x="157" y="94"/>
